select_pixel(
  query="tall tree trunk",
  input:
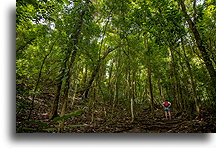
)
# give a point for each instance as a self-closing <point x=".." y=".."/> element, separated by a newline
<point x="176" y="80"/>
<point x="150" y="84"/>
<point x="85" y="74"/>
<point x="192" y="78"/>
<point x="130" y="92"/>
<point x="160" y="88"/>
<point x="67" y="87"/>
<point x="149" y="73"/>
<point x="116" y="89"/>
<point x="54" y="109"/>
<point x="133" y="93"/>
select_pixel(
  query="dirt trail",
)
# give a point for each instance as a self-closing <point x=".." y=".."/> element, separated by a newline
<point x="156" y="124"/>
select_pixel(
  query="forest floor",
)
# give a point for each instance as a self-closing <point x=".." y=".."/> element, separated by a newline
<point x="147" y="123"/>
<point x="106" y="120"/>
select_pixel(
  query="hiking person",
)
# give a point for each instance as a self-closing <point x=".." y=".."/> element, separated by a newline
<point x="166" y="106"/>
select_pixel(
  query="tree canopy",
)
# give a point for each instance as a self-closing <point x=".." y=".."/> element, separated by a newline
<point x="115" y="58"/>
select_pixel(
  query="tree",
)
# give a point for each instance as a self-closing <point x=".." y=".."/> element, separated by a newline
<point x="200" y="44"/>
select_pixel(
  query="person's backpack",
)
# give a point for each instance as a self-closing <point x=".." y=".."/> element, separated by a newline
<point x="166" y="104"/>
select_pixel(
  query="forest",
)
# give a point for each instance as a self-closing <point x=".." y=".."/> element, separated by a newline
<point x="107" y="66"/>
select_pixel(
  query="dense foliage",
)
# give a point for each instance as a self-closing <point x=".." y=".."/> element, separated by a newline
<point x="115" y="56"/>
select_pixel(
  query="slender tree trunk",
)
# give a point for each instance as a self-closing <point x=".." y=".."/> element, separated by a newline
<point x="130" y="93"/>
<point x="132" y="109"/>
<point x="67" y="85"/>
<point x="149" y="74"/>
<point x="176" y="80"/>
<point x="54" y="109"/>
<point x="192" y="78"/>
<point x="172" y="89"/>
<point x="160" y="88"/>
<point x="94" y="73"/>
<point x="38" y="79"/>
<point x="89" y="84"/>
<point x="144" y="96"/>
<point x="115" y="96"/>
<point x="133" y="93"/>
<point x="85" y="74"/>
<point x="150" y="85"/>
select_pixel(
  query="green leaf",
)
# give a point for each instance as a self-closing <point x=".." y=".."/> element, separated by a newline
<point x="27" y="128"/>
<point x="75" y="125"/>
<point x="49" y="129"/>
<point x="76" y="113"/>
<point x="67" y="2"/>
